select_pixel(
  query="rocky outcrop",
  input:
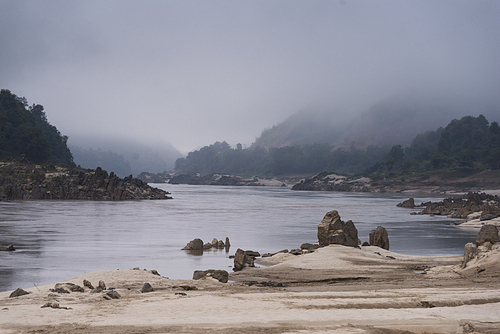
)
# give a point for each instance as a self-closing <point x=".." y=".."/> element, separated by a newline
<point x="488" y="233"/>
<point x="462" y="206"/>
<point x="379" y="238"/>
<point x="334" y="182"/>
<point x="332" y="230"/>
<point x="409" y="203"/>
<point x="242" y="260"/>
<point x="194" y="245"/>
<point x="24" y="180"/>
<point x="198" y="245"/>
<point x="469" y="253"/>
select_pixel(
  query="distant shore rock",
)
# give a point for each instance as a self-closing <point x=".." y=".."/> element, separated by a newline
<point x="438" y="183"/>
<point x="212" y="180"/>
<point x="22" y="180"/>
<point x="487" y="206"/>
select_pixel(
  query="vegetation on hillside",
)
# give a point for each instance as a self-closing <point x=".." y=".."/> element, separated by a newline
<point x="25" y="130"/>
<point x="290" y="160"/>
<point x="471" y="143"/>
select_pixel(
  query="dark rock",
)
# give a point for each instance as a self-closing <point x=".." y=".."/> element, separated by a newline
<point x="220" y="275"/>
<point x="196" y="244"/>
<point x="206" y="246"/>
<point x="488" y="233"/>
<point x="227" y="243"/>
<point x="188" y="287"/>
<point x="220" y="244"/>
<point x="59" y="290"/>
<point x="242" y="260"/>
<point x="488" y="217"/>
<point x="252" y="253"/>
<point x="113" y="295"/>
<point x="296" y="251"/>
<point x="59" y="181"/>
<point x="379" y="238"/>
<point x="147" y="288"/>
<point x="409" y="203"/>
<point x="154" y="272"/>
<point x="55" y="305"/>
<point x="102" y="285"/>
<point x="18" y="292"/>
<point x="366" y="243"/>
<point x="309" y="247"/>
<point x="332" y="230"/>
<point x="88" y="284"/>
<point x="8" y="248"/>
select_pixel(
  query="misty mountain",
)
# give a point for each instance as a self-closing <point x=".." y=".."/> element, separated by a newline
<point x="123" y="156"/>
<point x="394" y="120"/>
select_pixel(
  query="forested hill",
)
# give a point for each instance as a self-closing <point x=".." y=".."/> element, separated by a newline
<point x="25" y="130"/>
<point x="471" y="143"/>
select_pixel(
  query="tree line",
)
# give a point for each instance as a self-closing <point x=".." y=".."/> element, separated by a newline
<point x="290" y="160"/>
<point x="470" y="143"/>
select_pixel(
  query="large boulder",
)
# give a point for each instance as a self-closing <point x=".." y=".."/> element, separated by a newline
<point x="242" y="260"/>
<point x="332" y="230"/>
<point x="487" y="233"/>
<point x="379" y="238"/>
<point x="196" y="245"/>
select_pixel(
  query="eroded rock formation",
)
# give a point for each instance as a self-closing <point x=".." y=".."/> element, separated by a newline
<point x="23" y="180"/>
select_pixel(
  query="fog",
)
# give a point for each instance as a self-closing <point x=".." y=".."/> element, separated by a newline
<point x="191" y="73"/>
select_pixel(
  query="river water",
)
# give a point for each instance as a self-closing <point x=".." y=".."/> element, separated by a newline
<point x="57" y="240"/>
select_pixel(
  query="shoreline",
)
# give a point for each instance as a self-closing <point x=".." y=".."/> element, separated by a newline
<point x="334" y="289"/>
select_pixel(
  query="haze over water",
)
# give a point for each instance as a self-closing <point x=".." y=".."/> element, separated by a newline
<point x="57" y="240"/>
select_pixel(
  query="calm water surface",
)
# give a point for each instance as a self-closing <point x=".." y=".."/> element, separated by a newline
<point x="57" y="240"/>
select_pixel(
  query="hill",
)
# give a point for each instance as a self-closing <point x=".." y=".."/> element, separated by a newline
<point x="25" y="130"/>
<point x="394" y="120"/>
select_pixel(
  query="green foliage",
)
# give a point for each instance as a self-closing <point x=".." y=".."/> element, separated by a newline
<point x="25" y="130"/>
<point x="289" y="160"/>
<point x="469" y="143"/>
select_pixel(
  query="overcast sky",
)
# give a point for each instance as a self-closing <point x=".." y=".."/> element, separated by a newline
<point x="195" y="72"/>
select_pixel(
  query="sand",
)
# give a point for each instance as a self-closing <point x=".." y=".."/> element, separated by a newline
<point x="336" y="289"/>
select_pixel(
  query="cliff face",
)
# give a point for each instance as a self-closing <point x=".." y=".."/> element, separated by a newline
<point x="21" y="179"/>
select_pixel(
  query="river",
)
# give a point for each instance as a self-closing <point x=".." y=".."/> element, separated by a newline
<point x="57" y="240"/>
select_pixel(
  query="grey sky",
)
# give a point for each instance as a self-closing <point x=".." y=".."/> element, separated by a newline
<point x="194" y="72"/>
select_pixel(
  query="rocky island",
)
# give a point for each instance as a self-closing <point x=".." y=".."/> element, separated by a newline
<point x="23" y="180"/>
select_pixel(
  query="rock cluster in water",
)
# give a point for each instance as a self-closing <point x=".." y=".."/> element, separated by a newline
<point x="21" y="179"/>
<point x="461" y="206"/>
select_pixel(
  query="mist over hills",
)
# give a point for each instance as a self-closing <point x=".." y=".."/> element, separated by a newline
<point x="391" y="121"/>
<point x="123" y="156"/>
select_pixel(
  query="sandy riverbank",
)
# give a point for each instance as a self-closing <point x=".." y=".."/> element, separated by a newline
<point x="336" y="289"/>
